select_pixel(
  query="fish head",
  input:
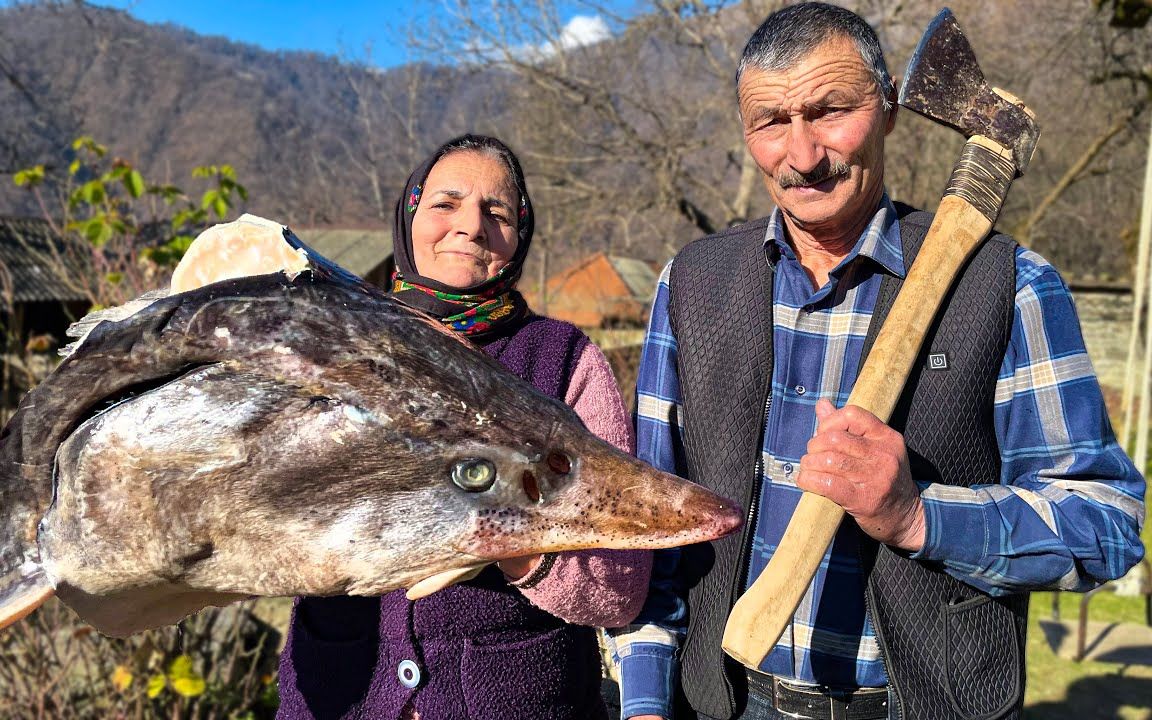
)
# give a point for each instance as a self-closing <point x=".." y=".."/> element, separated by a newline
<point x="303" y="436"/>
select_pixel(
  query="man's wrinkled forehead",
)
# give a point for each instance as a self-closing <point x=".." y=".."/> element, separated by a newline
<point x="833" y="73"/>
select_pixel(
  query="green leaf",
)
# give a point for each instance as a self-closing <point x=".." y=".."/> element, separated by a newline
<point x="180" y="243"/>
<point x="92" y="192"/>
<point x="85" y="142"/>
<point x="185" y="681"/>
<point x="204" y="171"/>
<point x="228" y="172"/>
<point x="29" y="176"/>
<point x="156" y="685"/>
<point x="134" y="182"/>
<point x="73" y="167"/>
<point x="98" y="231"/>
<point x="114" y="278"/>
<point x="220" y="206"/>
<point x="191" y="216"/>
<point x="209" y="198"/>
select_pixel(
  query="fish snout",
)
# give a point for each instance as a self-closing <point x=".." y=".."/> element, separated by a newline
<point x="634" y="505"/>
<point x="583" y="493"/>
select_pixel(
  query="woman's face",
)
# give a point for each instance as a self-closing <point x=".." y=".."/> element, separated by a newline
<point x="464" y="229"/>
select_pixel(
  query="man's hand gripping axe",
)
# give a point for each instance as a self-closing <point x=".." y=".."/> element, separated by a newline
<point x="944" y="83"/>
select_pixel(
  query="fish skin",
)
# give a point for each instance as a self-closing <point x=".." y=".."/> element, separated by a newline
<point x="299" y="442"/>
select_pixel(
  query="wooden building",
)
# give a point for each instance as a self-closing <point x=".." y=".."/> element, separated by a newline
<point x="603" y="292"/>
<point x="367" y="252"/>
<point x="38" y="298"/>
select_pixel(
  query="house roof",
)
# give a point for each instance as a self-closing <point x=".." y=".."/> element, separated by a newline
<point x="637" y="275"/>
<point x="34" y="259"/>
<point x="602" y="289"/>
<point x="359" y="250"/>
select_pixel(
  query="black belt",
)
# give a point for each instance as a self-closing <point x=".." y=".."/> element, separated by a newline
<point x="820" y="703"/>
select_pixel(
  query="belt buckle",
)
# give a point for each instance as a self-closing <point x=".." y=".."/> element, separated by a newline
<point x="837" y="705"/>
<point x="778" y="688"/>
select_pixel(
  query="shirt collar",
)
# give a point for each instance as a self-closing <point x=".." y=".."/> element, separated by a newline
<point x="880" y="241"/>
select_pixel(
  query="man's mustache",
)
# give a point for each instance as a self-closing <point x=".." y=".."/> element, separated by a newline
<point x="824" y="171"/>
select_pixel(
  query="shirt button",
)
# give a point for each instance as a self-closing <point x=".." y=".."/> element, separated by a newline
<point x="787" y="468"/>
<point x="409" y="673"/>
<point x="800" y="390"/>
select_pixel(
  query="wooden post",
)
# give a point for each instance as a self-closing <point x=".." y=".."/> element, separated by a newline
<point x="1140" y="282"/>
<point x="1141" y="455"/>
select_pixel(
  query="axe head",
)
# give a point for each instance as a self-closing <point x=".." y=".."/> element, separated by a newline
<point x="944" y="83"/>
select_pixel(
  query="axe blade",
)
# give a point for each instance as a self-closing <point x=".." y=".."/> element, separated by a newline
<point x="944" y="83"/>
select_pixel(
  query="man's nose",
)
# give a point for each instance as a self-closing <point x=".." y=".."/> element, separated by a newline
<point x="805" y="151"/>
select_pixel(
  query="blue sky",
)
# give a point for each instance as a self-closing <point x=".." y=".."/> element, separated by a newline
<point x="335" y="27"/>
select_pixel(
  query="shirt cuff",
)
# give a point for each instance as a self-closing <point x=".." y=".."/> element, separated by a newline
<point x="646" y="677"/>
<point x="956" y="527"/>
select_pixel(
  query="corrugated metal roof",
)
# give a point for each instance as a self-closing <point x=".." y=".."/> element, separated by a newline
<point x="358" y="250"/>
<point x="637" y="275"/>
<point x="34" y="259"/>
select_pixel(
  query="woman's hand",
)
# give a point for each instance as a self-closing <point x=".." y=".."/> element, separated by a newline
<point x="516" y="568"/>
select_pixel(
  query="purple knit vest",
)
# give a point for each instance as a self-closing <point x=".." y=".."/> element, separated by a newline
<point x="476" y="651"/>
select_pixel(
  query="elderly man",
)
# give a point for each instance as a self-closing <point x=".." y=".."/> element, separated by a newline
<point x="998" y="475"/>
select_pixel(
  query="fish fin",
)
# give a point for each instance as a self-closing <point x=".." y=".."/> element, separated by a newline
<point x="84" y="325"/>
<point x="439" y="581"/>
<point x="27" y="590"/>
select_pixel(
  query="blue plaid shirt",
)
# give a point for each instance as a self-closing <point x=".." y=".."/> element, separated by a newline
<point x="1066" y="514"/>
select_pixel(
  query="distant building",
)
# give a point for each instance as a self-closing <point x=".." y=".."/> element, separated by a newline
<point x="38" y="297"/>
<point x="603" y="292"/>
<point x="365" y="252"/>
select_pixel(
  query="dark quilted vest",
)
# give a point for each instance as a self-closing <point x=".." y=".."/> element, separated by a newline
<point x="950" y="650"/>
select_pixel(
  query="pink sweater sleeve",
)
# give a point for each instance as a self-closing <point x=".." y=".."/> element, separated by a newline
<point x="603" y="588"/>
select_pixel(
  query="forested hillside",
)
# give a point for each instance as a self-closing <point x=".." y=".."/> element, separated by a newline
<point x="631" y="144"/>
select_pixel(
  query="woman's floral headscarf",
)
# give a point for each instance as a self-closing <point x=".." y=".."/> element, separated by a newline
<point x="482" y="311"/>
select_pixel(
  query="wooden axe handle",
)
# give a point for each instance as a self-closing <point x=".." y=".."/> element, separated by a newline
<point x="760" y="615"/>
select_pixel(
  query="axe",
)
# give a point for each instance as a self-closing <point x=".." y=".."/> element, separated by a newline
<point x="944" y="83"/>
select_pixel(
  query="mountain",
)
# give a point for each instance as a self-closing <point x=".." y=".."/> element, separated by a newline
<point x="632" y="145"/>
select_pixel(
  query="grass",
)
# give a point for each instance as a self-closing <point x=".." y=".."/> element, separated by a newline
<point x="1062" y="689"/>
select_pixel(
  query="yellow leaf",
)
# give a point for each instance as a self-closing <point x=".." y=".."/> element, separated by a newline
<point x="156" y="685"/>
<point x="121" y="678"/>
<point x="189" y="686"/>
<point x="185" y="680"/>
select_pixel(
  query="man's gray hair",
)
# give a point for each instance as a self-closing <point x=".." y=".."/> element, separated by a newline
<point x="790" y="34"/>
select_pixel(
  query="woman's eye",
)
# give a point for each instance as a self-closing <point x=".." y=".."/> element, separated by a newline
<point x="474" y="474"/>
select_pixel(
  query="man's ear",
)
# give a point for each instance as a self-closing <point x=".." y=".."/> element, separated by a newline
<point x="894" y="106"/>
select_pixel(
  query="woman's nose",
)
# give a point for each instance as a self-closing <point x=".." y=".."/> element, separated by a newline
<point x="470" y="222"/>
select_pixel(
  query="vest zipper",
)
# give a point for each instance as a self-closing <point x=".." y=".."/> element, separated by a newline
<point x="753" y="508"/>
<point x="897" y="710"/>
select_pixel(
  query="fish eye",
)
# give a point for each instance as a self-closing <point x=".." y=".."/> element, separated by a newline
<point x="474" y="474"/>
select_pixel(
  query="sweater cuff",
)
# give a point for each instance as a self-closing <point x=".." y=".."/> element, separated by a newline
<point x="537" y="575"/>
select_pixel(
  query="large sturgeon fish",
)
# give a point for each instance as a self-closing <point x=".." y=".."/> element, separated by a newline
<point x="299" y="433"/>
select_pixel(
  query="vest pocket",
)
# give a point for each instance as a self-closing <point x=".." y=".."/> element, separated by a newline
<point x="543" y="677"/>
<point x="982" y="657"/>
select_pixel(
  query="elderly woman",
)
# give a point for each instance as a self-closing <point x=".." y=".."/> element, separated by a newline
<point x="517" y="642"/>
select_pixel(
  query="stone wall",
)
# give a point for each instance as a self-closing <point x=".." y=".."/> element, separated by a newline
<point x="1106" y="319"/>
